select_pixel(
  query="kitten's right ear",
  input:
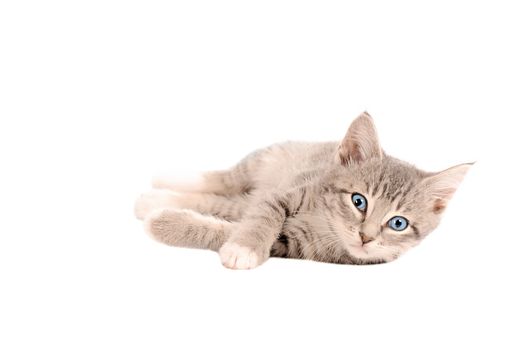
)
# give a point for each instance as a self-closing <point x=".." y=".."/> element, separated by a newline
<point x="441" y="186"/>
<point x="360" y="142"/>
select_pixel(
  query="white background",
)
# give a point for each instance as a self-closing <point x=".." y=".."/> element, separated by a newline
<point x="98" y="96"/>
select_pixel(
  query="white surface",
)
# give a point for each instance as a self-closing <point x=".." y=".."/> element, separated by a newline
<point x="96" y="97"/>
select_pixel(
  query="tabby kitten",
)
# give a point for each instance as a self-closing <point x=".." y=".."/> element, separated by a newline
<point x="344" y="202"/>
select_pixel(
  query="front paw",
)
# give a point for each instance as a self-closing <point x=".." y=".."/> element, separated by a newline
<point x="237" y="257"/>
<point x="167" y="225"/>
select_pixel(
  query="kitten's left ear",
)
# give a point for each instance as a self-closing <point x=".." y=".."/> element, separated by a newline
<point x="441" y="186"/>
<point x="360" y="142"/>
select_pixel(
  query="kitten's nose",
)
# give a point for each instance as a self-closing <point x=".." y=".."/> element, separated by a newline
<point x="364" y="238"/>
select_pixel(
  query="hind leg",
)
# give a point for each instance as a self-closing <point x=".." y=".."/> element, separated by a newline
<point x="226" y="207"/>
<point x="186" y="228"/>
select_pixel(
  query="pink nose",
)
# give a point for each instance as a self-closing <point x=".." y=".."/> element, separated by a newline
<point x="364" y="238"/>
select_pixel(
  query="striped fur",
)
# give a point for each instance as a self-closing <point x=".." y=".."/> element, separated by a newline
<point x="293" y="200"/>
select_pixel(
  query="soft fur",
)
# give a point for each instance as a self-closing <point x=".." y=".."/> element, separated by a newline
<point x="294" y="200"/>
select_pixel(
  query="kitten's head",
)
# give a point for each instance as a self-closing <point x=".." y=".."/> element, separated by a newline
<point x="385" y="206"/>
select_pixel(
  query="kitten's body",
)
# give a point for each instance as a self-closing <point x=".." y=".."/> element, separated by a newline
<point x="294" y="200"/>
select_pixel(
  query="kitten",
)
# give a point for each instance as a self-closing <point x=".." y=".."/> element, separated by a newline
<point x="344" y="202"/>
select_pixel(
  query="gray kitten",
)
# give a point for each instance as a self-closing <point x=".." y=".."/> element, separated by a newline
<point x="344" y="202"/>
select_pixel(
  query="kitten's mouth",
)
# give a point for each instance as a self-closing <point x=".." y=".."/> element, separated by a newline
<point x="358" y="250"/>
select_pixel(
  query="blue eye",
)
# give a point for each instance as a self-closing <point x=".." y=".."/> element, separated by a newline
<point x="359" y="201"/>
<point x="398" y="223"/>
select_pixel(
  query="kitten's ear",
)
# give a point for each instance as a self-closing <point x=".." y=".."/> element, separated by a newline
<point x="441" y="186"/>
<point x="360" y="142"/>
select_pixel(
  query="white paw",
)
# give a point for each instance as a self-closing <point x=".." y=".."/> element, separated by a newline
<point x="153" y="200"/>
<point x="235" y="256"/>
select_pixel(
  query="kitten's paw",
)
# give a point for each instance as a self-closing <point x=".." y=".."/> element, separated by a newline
<point x="151" y="201"/>
<point x="235" y="256"/>
<point x="166" y="225"/>
<point x="155" y="223"/>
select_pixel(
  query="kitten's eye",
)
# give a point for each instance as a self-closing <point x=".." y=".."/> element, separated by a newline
<point x="359" y="201"/>
<point x="398" y="223"/>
